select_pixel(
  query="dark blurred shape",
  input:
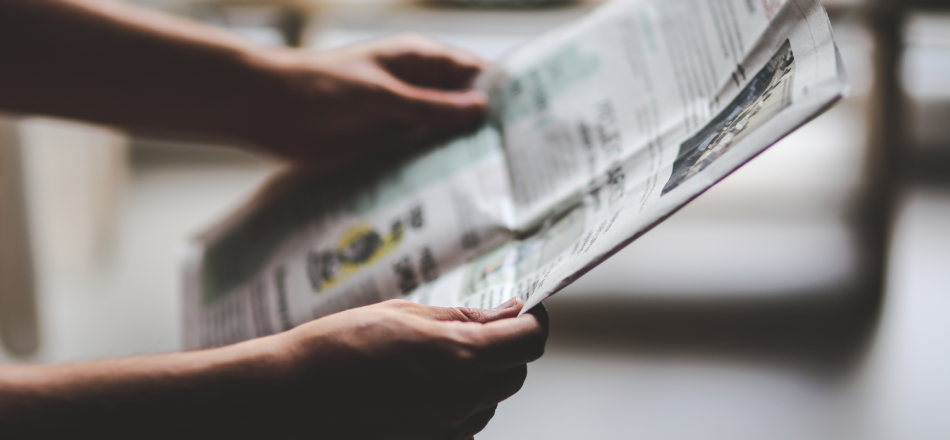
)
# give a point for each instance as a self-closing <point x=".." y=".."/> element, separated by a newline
<point x="19" y="328"/>
<point x="816" y="332"/>
<point x="925" y="83"/>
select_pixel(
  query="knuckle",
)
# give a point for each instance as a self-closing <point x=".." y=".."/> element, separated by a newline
<point x="461" y="350"/>
<point x="464" y="355"/>
<point x="470" y="314"/>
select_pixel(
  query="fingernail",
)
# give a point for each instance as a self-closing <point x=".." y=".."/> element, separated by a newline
<point x="472" y="99"/>
<point x="507" y="304"/>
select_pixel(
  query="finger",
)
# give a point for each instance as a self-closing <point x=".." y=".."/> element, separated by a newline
<point x="436" y="71"/>
<point x="505" y="343"/>
<point x="438" y="109"/>
<point x="428" y="63"/>
<point x="475" y="424"/>
<point x="508" y="309"/>
<point x="498" y="386"/>
<point x="541" y="313"/>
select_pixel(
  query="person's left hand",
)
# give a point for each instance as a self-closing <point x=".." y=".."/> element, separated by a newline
<point x="392" y="370"/>
<point x="364" y="101"/>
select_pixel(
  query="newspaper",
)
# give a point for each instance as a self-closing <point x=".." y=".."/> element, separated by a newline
<point x="598" y="131"/>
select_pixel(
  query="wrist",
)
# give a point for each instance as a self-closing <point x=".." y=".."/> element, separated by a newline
<point x="260" y="365"/>
<point x="270" y="94"/>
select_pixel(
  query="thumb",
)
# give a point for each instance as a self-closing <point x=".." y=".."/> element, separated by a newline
<point x="508" y="309"/>
<point x="436" y="108"/>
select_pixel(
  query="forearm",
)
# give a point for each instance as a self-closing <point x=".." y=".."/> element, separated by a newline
<point x="120" y="65"/>
<point x="389" y="370"/>
<point x="117" y="64"/>
<point x="184" y="395"/>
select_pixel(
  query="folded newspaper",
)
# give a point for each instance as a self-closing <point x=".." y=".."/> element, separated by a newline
<point x="598" y="131"/>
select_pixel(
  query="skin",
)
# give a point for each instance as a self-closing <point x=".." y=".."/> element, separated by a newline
<point x="115" y="64"/>
<point x="394" y="370"/>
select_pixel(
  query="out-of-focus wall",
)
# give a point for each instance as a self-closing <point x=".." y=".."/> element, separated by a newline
<point x="75" y="175"/>
<point x="70" y="178"/>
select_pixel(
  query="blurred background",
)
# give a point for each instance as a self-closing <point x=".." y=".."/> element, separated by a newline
<point x="805" y="297"/>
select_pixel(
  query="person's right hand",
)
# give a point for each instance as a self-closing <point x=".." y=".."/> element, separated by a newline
<point x="403" y="370"/>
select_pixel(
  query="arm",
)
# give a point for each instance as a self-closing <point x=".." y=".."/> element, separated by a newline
<point x="117" y="64"/>
<point x="391" y="370"/>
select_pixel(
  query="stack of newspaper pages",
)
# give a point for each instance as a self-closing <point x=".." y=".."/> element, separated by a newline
<point x="598" y="131"/>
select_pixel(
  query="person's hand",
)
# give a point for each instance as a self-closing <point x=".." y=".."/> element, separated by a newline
<point x="403" y="370"/>
<point x="336" y="107"/>
<point x="394" y="370"/>
<point x="156" y="75"/>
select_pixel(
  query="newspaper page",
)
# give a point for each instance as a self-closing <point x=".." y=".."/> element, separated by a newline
<point x="598" y="131"/>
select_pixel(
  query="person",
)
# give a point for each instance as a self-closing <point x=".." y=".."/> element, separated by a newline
<point x="390" y="370"/>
